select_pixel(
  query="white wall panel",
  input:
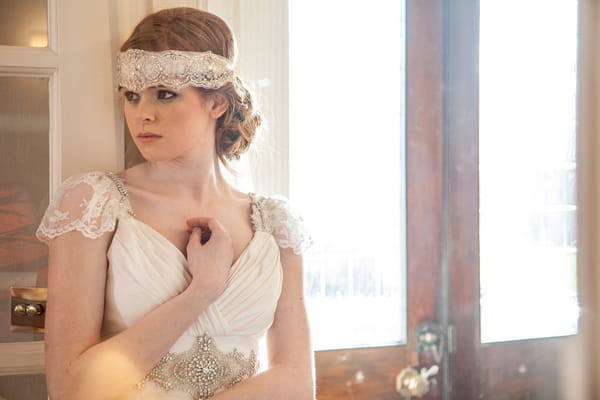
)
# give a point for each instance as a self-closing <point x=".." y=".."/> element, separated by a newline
<point x="261" y="28"/>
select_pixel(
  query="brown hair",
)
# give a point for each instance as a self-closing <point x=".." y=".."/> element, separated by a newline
<point x="190" y="29"/>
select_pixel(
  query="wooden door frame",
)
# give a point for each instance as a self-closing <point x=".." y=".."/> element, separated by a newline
<point x="461" y="102"/>
<point x="588" y="193"/>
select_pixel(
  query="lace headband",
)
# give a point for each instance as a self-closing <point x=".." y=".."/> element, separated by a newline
<point x="140" y="69"/>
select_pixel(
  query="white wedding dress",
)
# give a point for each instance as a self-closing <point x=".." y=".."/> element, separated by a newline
<point x="145" y="270"/>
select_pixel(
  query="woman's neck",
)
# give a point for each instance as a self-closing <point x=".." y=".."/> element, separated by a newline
<point x="200" y="179"/>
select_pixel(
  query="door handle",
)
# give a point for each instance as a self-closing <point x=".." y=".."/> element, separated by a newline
<point x="431" y="339"/>
<point x="28" y="310"/>
<point x="410" y="382"/>
<point x="28" y="306"/>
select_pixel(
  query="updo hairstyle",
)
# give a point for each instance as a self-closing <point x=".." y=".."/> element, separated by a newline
<point x="190" y="29"/>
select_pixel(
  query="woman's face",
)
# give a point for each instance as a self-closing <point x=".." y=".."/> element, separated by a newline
<point x="169" y="125"/>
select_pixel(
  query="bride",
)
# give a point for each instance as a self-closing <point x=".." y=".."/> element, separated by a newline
<point x="163" y="278"/>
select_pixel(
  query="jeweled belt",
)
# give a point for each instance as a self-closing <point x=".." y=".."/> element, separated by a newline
<point x="203" y="370"/>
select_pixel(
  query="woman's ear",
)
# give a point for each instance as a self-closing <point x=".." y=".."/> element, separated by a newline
<point x="219" y="104"/>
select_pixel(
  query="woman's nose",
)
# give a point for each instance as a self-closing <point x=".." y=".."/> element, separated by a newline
<point x="146" y="111"/>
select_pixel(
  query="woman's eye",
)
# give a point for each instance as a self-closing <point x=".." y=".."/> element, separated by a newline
<point x="165" y="94"/>
<point x="131" y="96"/>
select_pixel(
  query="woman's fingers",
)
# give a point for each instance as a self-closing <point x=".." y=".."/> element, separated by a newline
<point x="209" y="263"/>
<point x="215" y="226"/>
<point x="211" y="227"/>
<point x="201" y="222"/>
<point x="195" y="236"/>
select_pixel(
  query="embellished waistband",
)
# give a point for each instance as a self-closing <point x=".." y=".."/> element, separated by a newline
<point x="203" y="370"/>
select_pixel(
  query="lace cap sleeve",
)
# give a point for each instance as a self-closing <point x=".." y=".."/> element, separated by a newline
<point x="275" y="216"/>
<point x="88" y="203"/>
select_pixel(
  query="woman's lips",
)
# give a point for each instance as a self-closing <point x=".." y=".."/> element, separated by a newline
<point x="147" y="137"/>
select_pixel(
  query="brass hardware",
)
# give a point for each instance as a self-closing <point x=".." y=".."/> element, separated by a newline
<point x="34" y="309"/>
<point x="436" y="339"/>
<point x="430" y="338"/>
<point x="20" y="309"/>
<point x="28" y="305"/>
<point x="410" y="382"/>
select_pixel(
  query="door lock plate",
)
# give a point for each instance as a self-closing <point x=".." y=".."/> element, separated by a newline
<point x="28" y="306"/>
<point x="430" y="338"/>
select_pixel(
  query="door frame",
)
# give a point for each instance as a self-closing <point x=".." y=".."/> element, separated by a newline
<point x="587" y="353"/>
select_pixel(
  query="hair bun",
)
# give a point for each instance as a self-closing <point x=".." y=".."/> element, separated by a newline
<point x="237" y="127"/>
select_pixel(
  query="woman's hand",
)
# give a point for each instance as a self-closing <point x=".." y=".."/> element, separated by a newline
<point x="209" y="255"/>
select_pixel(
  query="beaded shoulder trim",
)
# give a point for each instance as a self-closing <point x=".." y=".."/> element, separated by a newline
<point x="275" y="216"/>
<point x="122" y="191"/>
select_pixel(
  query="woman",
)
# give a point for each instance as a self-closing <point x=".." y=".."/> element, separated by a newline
<point x="164" y="278"/>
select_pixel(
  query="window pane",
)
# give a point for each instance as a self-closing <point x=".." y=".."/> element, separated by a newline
<point x="24" y="23"/>
<point x="346" y="166"/>
<point x="528" y="169"/>
<point x="24" y="161"/>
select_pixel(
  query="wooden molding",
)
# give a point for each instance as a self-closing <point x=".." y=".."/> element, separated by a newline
<point x="22" y="358"/>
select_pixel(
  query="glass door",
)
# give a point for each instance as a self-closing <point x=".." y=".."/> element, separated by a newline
<point x="366" y="141"/>
<point x="512" y="212"/>
<point x="42" y="112"/>
<point x="24" y="188"/>
<point x="491" y="212"/>
<point x="24" y="160"/>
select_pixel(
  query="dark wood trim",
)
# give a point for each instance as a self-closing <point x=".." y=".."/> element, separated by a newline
<point x="368" y="373"/>
<point x="461" y="70"/>
<point x="424" y="161"/>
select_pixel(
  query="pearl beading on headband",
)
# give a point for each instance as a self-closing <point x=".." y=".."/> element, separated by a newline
<point x="140" y="69"/>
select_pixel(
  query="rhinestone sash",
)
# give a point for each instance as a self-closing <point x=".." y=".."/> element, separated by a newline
<point x="201" y="371"/>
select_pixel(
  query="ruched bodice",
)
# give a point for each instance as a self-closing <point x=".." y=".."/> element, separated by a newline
<point x="145" y="270"/>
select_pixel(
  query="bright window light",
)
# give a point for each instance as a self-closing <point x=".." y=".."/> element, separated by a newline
<point x="347" y="166"/>
<point x="528" y="250"/>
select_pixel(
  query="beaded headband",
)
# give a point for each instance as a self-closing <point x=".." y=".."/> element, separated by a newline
<point x="140" y="69"/>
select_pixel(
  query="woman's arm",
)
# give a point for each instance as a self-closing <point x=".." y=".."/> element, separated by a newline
<point x="81" y="366"/>
<point x="291" y="364"/>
